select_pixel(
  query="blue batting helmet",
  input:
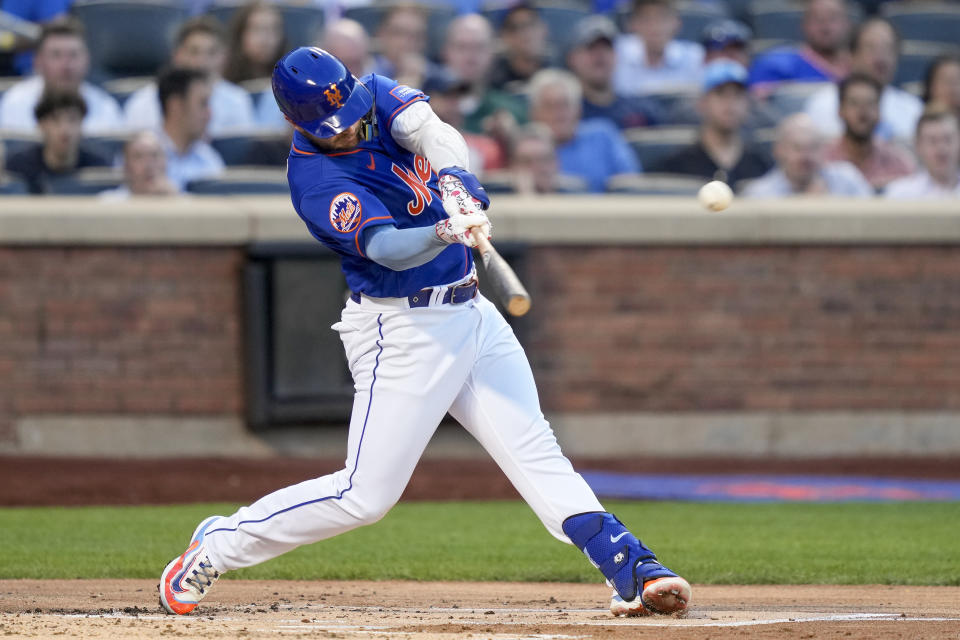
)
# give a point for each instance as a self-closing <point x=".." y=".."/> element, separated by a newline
<point x="314" y="90"/>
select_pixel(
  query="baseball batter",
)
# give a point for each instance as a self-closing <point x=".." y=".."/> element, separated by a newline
<point x="383" y="182"/>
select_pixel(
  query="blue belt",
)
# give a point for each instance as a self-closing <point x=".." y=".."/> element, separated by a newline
<point x="454" y="295"/>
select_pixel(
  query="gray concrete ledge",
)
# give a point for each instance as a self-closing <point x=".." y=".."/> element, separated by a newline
<point x="617" y="220"/>
<point x="669" y="435"/>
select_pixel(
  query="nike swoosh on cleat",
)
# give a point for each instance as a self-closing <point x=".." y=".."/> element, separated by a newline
<point x="612" y="539"/>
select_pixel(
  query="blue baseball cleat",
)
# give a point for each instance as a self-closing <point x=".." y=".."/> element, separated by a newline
<point x="188" y="577"/>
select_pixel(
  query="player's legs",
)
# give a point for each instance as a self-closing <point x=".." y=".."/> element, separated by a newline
<point x="499" y="406"/>
<point x="407" y="369"/>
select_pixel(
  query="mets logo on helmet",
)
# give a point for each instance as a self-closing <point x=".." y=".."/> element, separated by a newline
<point x="345" y="212"/>
<point x="333" y="96"/>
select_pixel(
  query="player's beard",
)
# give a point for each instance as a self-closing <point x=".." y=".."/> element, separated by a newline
<point x="344" y="141"/>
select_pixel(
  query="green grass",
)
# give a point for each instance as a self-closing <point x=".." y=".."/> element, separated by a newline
<point x="898" y="543"/>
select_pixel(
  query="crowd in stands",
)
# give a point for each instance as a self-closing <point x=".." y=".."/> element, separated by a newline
<point x="554" y="96"/>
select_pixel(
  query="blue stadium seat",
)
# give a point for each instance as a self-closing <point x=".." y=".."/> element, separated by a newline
<point x="791" y="97"/>
<point x="16" y="141"/>
<point x="243" y="181"/>
<point x="109" y="146"/>
<point x="129" y="37"/>
<point x="86" y="182"/>
<point x="694" y="16"/>
<point x="655" y="184"/>
<point x="916" y="56"/>
<point x="249" y="149"/>
<point x="653" y="144"/>
<point x="438" y="19"/>
<point x="12" y="187"/>
<point x="302" y="25"/>
<point x="930" y="21"/>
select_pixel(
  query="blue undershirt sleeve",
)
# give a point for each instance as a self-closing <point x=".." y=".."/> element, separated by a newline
<point x="400" y="249"/>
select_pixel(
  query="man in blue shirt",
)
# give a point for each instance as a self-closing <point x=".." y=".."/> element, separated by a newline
<point x="592" y="149"/>
<point x="383" y="182"/>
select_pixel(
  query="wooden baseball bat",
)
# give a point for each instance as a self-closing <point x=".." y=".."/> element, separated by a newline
<point x="504" y="281"/>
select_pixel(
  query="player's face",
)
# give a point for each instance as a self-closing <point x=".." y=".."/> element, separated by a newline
<point x="63" y="62"/>
<point x="860" y="111"/>
<point x="938" y="147"/>
<point x="345" y="141"/>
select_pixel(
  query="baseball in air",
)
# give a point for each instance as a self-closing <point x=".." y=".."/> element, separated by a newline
<point x="715" y="195"/>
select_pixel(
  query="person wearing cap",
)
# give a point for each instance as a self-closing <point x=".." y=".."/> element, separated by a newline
<point x="592" y="59"/>
<point x="720" y="152"/>
<point x="649" y="58"/>
<point x="801" y="168"/>
<point x="823" y="57"/>
<point x="726" y="39"/>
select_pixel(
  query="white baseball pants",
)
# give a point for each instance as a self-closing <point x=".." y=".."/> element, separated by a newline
<point x="410" y="366"/>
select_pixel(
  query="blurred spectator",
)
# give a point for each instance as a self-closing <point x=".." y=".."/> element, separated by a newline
<point x="468" y="53"/>
<point x="401" y="42"/>
<point x="800" y="168"/>
<point x="875" y="50"/>
<point x="824" y="56"/>
<point x="533" y="163"/>
<point x="185" y="99"/>
<point x="720" y="153"/>
<point x="447" y="95"/>
<point x="727" y="40"/>
<point x="60" y="154"/>
<point x="649" y="59"/>
<point x="938" y="147"/>
<point x="34" y="11"/>
<point x="61" y="64"/>
<point x="525" y="48"/>
<point x="941" y="87"/>
<point x="879" y="161"/>
<point x="144" y="169"/>
<point x="591" y="149"/>
<point x="348" y="40"/>
<point x="199" y="46"/>
<point x="256" y="42"/>
<point x="592" y="60"/>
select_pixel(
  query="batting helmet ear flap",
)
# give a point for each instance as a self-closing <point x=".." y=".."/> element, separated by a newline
<point x="315" y="91"/>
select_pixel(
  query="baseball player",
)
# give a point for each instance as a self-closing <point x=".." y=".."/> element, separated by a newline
<point x="378" y="178"/>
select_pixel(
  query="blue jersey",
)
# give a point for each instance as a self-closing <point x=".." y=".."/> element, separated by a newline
<point x="341" y="196"/>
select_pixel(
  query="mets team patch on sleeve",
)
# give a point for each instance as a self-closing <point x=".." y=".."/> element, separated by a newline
<point x="345" y="212"/>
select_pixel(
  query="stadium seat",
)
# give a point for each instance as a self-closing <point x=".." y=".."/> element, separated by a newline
<point x="791" y="97"/>
<point x="122" y="88"/>
<point x="655" y="184"/>
<point x="15" y="141"/>
<point x="694" y="16"/>
<point x="438" y="19"/>
<point x="763" y="139"/>
<point x="302" y="25"/>
<point x="109" y="146"/>
<point x="256" y="148"/>
<point x="86" y="182"/>
<point x="930" y="21"/>
<point x="676" y="105"/>
<point x="653" y="144"/>
<point x="916" y="56"/>
<point x="243" y="180"/>
<point x="129" y="37"/>
<point x="12" y="187"/>
<point x="560" y="17"/>
<point x="783" y="19"/>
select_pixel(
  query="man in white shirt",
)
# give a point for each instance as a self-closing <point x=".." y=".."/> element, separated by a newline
<point x="800" y="168"/>
<point x="875" y="50"/>
<point x="938" y="147"/>
<point x="649" y="60"/>
<point x="61" y="64"/>
<point x="199" y="45"/>
<point x="185" y="98"/>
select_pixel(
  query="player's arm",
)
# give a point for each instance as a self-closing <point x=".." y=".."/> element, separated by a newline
<point x="419" y="130"/>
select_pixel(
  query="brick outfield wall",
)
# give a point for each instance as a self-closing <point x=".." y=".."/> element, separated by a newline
<point x="159" y="330"/>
